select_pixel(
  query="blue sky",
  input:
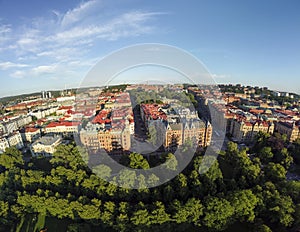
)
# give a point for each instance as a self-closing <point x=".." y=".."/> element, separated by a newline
<point x="51" y="44"/>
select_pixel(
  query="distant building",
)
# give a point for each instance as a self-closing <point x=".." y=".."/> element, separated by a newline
<point x="194" y="130"/>
<point x="112" y="127"/>
<point x="67" y="98"/>
<point x="64" y="127"/>
<point x="24" y="105"/>
<point x="276" y="94"/>
<point x="43" y="112"/>
<point x="63" y="110"/>
<point x="181" y="124"/>
<point x="45" y="94"/>
<point x="45" y="146"/>
<point x="245" y="131"/>
<point x="10" y="126"/>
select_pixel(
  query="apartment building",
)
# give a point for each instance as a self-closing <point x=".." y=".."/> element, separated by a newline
<point x="11" y="124"/>
<point x="246" y="130"/>
<point x="43" y="112"/>
<point x="89" y="136"/>
<point x="182" y="124"/>
<point x="63" y="127"/>
<point x="291" y="129"/>
<point x="15" y="139"/>
<point x="30" y="134"/>
<point x="112" y="127"/>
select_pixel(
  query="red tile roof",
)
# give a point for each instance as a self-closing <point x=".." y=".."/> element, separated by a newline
<point x="65" y="108"/>
<point x="30" y="129"/>
<point x="63" y="123"/>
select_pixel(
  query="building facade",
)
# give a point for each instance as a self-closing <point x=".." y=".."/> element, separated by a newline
<point x="290" y="129"/>
<point x="15" y="139"/>
<point x="245" y="131"/>
<point x="30" y="134"/>
<point x="45" y="146"/>
<point x="64" y="127"/>
<point x="3" y="144"/>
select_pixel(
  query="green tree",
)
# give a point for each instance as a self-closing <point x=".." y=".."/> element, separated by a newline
<point x="284" y="158"/>
<point x="4" y="207"/>
<point x="171" y="162"/>
<point x="127" y="178"/>
<point x="103" y="171"/>
<point x="190" y="212"/>
<point x="218" y="213"/>
<point x="138" y="161"/>
<point x="275" y="172"/>
<point x="282" y="211"/>
<point x="12" y="157"/>
<point x="159" y="214"/>
<point x="244" y="203"/>
<point x="108" y="213"/>
<point x="266" y="154"/>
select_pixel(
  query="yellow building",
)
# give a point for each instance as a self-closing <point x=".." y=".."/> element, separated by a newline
<point x="114" y="139"/>
<point x="290" y="129"/>
<point x="245" y="131"/>
<point x="89" y="138"/>
<point x="193" y="130"/>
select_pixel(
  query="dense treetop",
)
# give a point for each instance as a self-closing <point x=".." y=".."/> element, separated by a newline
<point x="238" y="188"/>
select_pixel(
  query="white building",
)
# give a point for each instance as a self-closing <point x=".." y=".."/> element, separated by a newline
<point x="63" y="110"/>
<point x="277" y="94"/>
<point x="10" y="126"/>
<point x="31" y="134"/>
<point x="42" y="113"/>
<point x="45" y="146"/>
<point x="62" y="127"/>
<point x="3" y="144"/>
<point x="2" y="128"/>
<point x="63" y="99"/>
<point x="15" y="139"/>
<point x="23" y="120"/>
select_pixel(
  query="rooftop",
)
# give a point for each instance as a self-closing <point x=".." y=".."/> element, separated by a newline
<point x="48" y="140"/>
<point x="62" y="123"/>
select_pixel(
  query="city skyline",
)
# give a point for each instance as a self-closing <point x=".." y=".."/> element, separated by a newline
<point x="50" y="45"/>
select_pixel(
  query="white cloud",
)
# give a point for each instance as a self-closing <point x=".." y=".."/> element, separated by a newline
<point x="79" y="12"/>
<point x="5" y="31"/>
<point x="124" y="25"/>
<point x="59" y="43"/>
<point x="37" y="71"/>
<point x="18" y="74"/>
<point x="8" y="65"/>
<point x="61" y="53"/>
<point x="28" y="42"/>
<point x="44" y="69"/>
<point x="66" y="40"/>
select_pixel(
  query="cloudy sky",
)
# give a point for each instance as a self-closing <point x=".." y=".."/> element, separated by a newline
<point x="52" y="44"/>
